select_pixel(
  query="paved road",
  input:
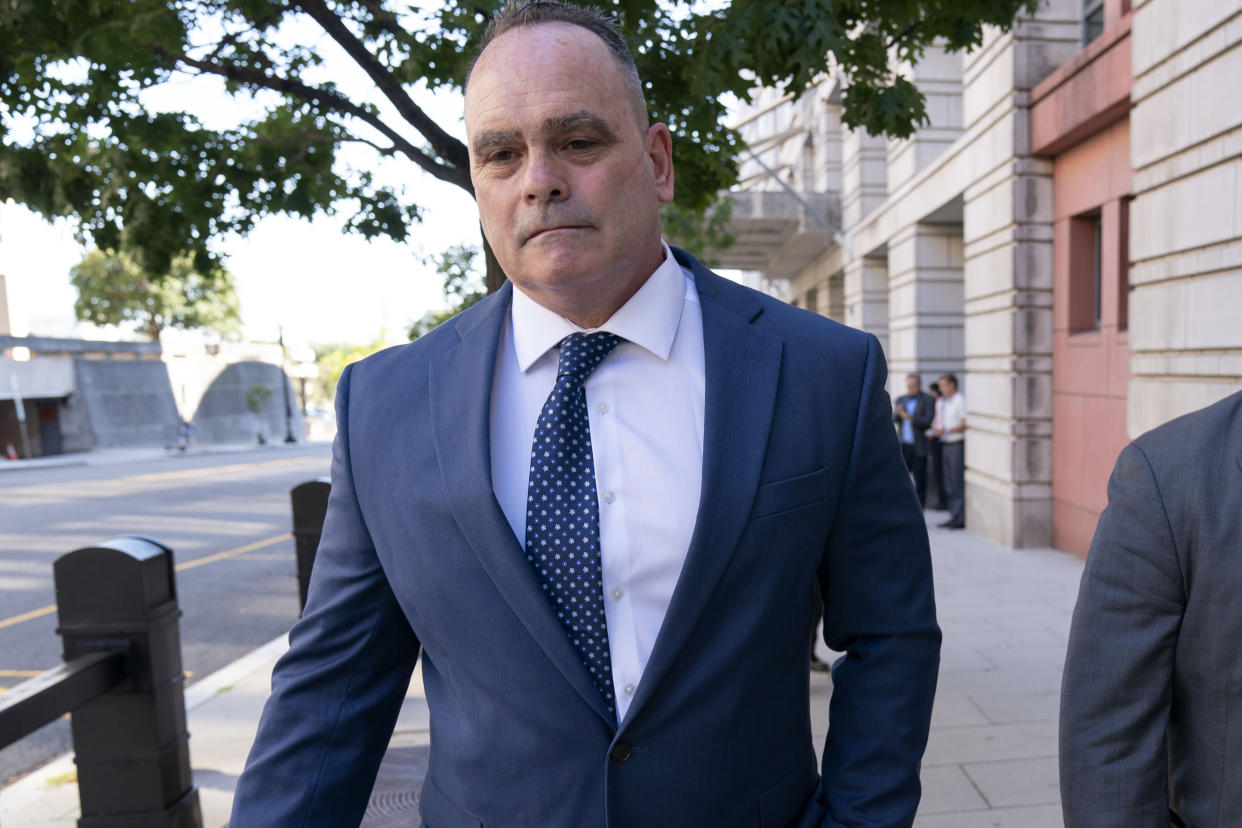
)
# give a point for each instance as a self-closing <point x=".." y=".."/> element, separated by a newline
<point x="226" y="516"/>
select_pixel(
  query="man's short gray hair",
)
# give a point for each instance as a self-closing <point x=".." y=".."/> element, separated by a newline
<point x="521" y="13"/>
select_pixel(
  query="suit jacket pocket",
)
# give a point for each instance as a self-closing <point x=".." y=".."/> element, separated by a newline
<point x="438" y="811"/>
<point x="789" y="494"/>
<point x="782" y="805"/>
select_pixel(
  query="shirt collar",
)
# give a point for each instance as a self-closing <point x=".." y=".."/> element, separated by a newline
<point x="649" y="319"/>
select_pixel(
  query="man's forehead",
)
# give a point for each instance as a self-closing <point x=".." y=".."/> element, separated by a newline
<point x="529" y="54"/>
<point x="547" y="38"/>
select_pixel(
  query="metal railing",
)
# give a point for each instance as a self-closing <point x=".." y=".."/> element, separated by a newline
<point x="122" y="680"/>
<point x="122" y="676"/>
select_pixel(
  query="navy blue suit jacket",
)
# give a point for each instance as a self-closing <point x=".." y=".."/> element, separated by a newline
<point x="802" y="481"/>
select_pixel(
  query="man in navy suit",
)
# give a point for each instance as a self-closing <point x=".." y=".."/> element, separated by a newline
<point x="598" y="505"/>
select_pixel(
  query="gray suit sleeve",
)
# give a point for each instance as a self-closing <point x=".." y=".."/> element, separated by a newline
<point x="1117" y="686"/>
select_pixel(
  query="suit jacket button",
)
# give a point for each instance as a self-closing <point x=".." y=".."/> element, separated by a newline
<point x="620" y="753"/>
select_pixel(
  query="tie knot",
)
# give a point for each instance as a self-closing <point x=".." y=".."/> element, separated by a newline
<point x="582" y="353"/>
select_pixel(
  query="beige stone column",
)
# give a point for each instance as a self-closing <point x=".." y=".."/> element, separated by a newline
<point x="6" y="326"/>
<point x="865" y="292"/>
<point x="1185" y="312"/>
<point x="925" y="303"/>
<point x="834" y="307"/>
<point x="938" y="75"/>
<point x="863" y="175"/>
<point x="1007" y="230"/>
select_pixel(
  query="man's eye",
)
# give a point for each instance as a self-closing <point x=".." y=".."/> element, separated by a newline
<point x="579" y="144"/>
<point x="501" y="156"/>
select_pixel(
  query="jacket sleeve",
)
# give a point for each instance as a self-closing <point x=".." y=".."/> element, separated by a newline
<point x="337" y="691"/>
<point x="924" y="413"/>
<point x="879" y="609"/>
<point x="1117" y="686"/>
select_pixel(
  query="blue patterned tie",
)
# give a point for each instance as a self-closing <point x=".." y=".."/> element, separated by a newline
<point x="562" y="511"/>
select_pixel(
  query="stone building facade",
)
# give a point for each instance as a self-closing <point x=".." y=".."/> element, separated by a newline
<point x="1065" y="235"/>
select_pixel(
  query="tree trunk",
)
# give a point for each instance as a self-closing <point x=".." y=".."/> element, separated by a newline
<point x="495" y="277"/>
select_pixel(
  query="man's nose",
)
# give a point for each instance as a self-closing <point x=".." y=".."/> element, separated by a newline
<point x="545" y="179"/>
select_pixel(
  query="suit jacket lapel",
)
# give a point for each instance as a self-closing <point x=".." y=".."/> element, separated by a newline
<point x="742" y="367"/>
<point x="461" y="392"/>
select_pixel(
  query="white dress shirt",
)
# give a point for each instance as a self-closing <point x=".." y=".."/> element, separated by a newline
<point x="645" y="403"/>
<point x="954" y="415"/>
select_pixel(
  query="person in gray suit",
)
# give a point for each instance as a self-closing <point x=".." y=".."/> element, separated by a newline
<point x="1151" y="699"/>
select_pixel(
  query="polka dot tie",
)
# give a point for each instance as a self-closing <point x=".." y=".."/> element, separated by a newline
<point x="562" y="510"/>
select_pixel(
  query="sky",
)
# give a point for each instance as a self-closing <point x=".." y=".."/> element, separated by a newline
<point x="321" y="285"/>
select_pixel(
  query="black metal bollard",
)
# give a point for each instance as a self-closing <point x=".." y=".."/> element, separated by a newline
<point x="130" y="743"/>
<point x="310" y="505"/>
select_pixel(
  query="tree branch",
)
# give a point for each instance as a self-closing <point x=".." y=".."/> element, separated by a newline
<point x="285" y="86"/>
<point x="384" y="19"/>
<point x="446" y="146"/>
<point x="911" y="29"/>
<point x="307" y="137"/>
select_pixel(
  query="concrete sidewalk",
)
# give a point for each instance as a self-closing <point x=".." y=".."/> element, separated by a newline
<point x="108" y="457"/>
<point x="990" y="763"/>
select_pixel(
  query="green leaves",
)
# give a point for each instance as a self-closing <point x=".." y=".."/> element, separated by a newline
<point x="83" y="132"/>
<point x="114" y="289"/>
<point x="463" y="285"/>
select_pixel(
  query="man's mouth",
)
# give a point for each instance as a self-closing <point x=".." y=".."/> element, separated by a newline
<point x="547" y="230"/>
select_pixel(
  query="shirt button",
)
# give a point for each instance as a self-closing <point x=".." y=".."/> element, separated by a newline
<point x="602" y="408"/>
<point x="617" y="592"/>
<point x="629" y="689"/>
<point x="609" y="497"/>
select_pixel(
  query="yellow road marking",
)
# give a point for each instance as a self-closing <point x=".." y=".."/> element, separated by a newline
<point x="181" y="567"/>
<point x="28" y="616"/>
<point x="20" y="673"/>
<point x="208" y="471"/>
<point x="241" y="550"/>
<point x="134" y="483"/>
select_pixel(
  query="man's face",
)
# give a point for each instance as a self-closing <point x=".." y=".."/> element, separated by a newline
<point x="912" y="385"/>
<point x="567" y="182"/>
<point x="948" y="387"/>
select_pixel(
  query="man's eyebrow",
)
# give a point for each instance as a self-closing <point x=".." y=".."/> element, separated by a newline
<point x="576" y="121"/>
<point x="485" y="141"/>
<point x="554" y="126"/>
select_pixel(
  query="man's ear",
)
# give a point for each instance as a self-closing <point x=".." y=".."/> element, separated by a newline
<point x="660" y="151"/>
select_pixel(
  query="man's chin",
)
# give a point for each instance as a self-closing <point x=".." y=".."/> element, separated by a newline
<point x="552" y="263"/>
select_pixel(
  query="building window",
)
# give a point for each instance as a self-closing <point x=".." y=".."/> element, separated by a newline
<point x="1086" y="274"/>
<point x="1092" y="20"/>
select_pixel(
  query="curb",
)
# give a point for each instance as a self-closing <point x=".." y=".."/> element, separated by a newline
<point x="103" y="457"/>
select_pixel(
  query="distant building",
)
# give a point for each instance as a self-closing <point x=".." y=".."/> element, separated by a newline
<point x="1065" y="236"/>
<point x="60" y="394"/>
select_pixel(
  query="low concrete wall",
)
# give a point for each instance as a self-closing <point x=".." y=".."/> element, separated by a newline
<point x="222" y="416"/>
<point x="126" y="403"/>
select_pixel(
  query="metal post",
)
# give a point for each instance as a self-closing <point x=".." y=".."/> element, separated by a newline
<point x="284" y="386"/>
<point x="130" y="744"/>
<point x="310" y="505"/>
<point x="20" y="407"/>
